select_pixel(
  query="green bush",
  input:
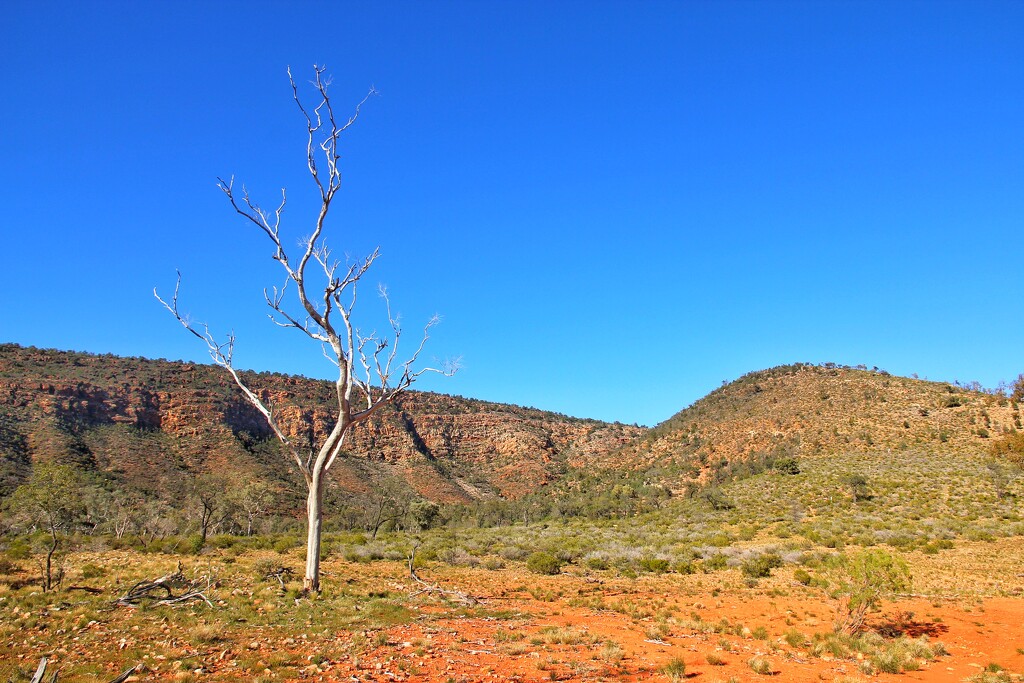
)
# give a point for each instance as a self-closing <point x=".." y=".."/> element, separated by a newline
<point x="371" y="552"/>
<point x="544" y="563"/>
<point x="194" y="544"/>
<point x="794" y="638"/>
<point x="933" y="547"/>
<point x="683" y="567"/>
<point x="92" y="571"/>
<point x="224" y="541"/>
<point x="761" y="566"/>
<point x="675" y="669"/>
<point x="286" y="543"/>
<point x="654" y="565"/>
<point x="18" y="549"/>
<point x="787" y="466"/>
<point x="860" y="581"/>
<point x="714" y="563"/>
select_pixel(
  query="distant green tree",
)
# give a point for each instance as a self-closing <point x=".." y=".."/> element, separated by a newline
<point x="1017" y="389"/>
<point x="252" y="501"/>
<point x="388" y="504"/>
<point x="858" y="485"/>
<point x="716" y="499"/>
<point x="1000" y="479"/>
<point x="424" y="513"/>
<point x="1009" y="447"/>
<point x="50" y="500"/>
<point x="209" y="501"/>
<point x="787" y="466"/>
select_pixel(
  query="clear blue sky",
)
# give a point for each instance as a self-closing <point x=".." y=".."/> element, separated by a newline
<point x="614" y="205"/>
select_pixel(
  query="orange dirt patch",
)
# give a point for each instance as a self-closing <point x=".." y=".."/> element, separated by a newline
<point x="578" y="626"/>
<point x="608" y="643"/>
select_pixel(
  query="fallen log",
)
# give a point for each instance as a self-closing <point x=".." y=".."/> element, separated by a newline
<point x="37" y="677"/>
<point x="41" y="671"/>
<point x="161" y="591"/>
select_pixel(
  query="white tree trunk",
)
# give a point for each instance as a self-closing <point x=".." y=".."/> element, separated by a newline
<point x="314" y="523"/>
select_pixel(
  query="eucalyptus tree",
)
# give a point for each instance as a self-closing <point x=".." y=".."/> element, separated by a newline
<point x="322" y="296"/>
<point x="52" y="501"/>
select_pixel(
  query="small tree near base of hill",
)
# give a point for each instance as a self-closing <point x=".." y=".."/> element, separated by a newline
<point x="859" y="582"/>
<point x="50" y="500"/>
<point x="370" y="373"/>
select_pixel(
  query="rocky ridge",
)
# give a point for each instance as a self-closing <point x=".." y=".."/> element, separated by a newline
<point x="146" y="423"/>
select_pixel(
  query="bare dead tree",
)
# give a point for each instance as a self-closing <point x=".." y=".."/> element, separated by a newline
<point x="370" y="372"/>
<point x="388" y="504"/>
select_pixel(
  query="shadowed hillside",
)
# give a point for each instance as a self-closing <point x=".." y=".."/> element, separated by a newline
<point x="146" y="425"/>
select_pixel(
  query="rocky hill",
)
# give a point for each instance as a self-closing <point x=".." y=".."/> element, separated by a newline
<point x="145" y="425"/>
<point x="810" y="411"/>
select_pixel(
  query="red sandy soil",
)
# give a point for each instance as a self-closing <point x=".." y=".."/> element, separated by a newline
<point x="970" y="598"/>
<point x="975" y="635"/>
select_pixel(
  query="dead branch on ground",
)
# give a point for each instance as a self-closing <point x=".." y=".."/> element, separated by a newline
<point x="37" y="677"/>
<point x="457" y="596"/>
<point x="161" y="591"/>
<point x="281" y="574"/>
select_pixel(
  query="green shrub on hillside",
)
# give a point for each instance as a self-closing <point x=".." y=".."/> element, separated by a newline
<point x="716" y="499"/>
<point x="655" y="565"/>
<point x="714" y="563"/>
<point x="858" y="485"/>
<point x="787" y="466"/>
<point x="1010" y="447"/>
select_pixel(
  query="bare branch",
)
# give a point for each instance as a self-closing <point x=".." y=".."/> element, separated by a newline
<point x="221" y="354"/>
<point x="217" y="351"/>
